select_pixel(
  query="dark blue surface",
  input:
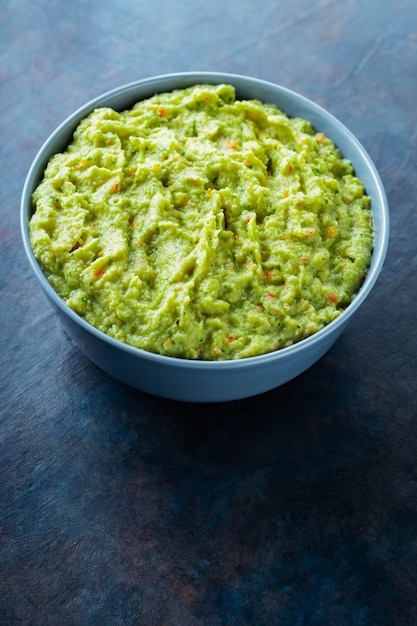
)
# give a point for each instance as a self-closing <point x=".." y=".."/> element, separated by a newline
<point x="296" y="507"/>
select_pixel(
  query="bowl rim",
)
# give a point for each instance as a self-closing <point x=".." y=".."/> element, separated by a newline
<point x="211" y="77"/>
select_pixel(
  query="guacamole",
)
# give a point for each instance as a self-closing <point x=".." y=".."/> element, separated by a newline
<point x="200" y="226"/>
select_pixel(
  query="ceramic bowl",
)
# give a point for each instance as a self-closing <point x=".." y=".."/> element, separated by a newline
<point x="206" y="381"/>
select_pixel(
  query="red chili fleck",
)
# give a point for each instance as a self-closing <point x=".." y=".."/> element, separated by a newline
<point x="270" y="295"/>
<point x="303" y="259"/>
<point x="332" y="297"/>
<point x="268" y="275"/>
<point x="115" y="187"/>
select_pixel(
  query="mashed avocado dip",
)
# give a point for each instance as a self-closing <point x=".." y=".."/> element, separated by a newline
<point x="199" y="226"/>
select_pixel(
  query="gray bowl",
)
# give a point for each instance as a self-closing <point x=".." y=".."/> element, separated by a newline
<point x="206" y="381"/>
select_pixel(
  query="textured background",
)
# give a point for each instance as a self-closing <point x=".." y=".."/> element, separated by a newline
<point x="297" y="507"/>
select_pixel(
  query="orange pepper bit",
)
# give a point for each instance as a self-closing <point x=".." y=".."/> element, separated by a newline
<point x="162" y="111"/>
<point x="231" y="144"/>
<point x="332" y="297"/>
<point x="82" y="164"/>
<point x="115" y="188"/>
<point x="332" y="231"/>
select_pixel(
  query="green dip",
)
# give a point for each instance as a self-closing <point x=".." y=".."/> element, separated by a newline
<point x="199" y="226"/>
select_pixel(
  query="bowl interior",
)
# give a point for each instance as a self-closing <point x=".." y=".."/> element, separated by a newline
<point x="293" y="105"/>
